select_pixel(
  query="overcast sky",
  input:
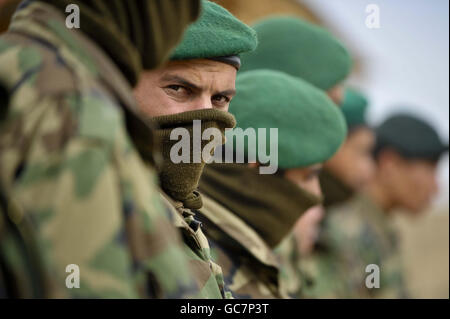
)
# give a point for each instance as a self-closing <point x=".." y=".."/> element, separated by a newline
<point x="406" y="60"/>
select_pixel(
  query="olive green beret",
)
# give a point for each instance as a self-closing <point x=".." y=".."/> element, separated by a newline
<point x="300" y="49"/>
<point x="217" y="33"/>
<point x="310" y="126"/>
<point x="354" y="107"/>
<point x="411" y="137"/>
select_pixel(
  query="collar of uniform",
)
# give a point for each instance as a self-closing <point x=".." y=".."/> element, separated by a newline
<point x="370" y="207"/>
<point x="182" y="218"/>
<point x="237" y="229"/>
<point x="375" y="216"/>
<point x="179" y="213"/>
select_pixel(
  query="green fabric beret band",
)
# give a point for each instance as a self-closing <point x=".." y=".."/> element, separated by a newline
<point x="354" y="107"/>
<point x="300" y="49"/>
<point x="310" y="126"/>
<point x="217" y="33"/>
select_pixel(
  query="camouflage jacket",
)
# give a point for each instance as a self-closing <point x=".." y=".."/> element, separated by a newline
<point x="250" y="267"/>
<point x="68" y="169"/>
<point x="312" y="276"/>
<point x="291" y="278"/>
<point x="206" y="273"/>
<point x="355" y="234"/>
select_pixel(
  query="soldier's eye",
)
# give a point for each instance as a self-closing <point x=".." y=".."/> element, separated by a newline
<point x="221" y="100"/>
<point x="177" y="90"/>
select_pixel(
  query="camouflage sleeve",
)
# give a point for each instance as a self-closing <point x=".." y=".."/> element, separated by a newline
<point x="155" y="243"/>
<point x="91" y="199"/>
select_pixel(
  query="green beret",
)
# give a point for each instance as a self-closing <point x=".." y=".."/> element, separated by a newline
<point x="300" y="49"/>
<point x="217" y="33"/>
<point x="354" y="108"/>
<point x="310" y="126"/>
<point x="411" y="137"/>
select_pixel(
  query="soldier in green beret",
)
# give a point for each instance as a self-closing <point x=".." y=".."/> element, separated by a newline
<point x="197" y="84"/>
<point x="247" y="213"/>
<point x="306" y="253"/>
<point x="80" y="215"/>
<point x="299" y="48"/>
<point x="352" y="167"/>
<point x="347" y="172"/>
<point x="361" y="242"/>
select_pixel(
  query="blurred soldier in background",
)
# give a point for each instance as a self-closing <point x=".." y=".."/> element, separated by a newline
<point x="312" y="261"/>
<point x="353" y="166"/>
<point x="74" y="189"/>
<point x="313" y="54"/>
<point x="303" y="50"/>
<point x="197" y="84"/>
<point x="247" y="213"/>
<point x="359" y="232"/>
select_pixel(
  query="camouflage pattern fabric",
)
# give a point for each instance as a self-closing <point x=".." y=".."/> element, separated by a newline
<point x="291" y="278"/>
<point x="249" y="266"/>
<point x="356" y="234"/>
<point x="67" y="162"/>
<point x="312" y="276"/>
<point x="207" y="274"/>
<point x="23" y="271"/>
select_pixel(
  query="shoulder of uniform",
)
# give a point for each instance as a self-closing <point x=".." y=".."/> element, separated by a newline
<point x="345" y="220"/>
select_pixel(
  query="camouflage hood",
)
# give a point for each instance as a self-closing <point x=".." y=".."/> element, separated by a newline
<point x="130" y="31"/>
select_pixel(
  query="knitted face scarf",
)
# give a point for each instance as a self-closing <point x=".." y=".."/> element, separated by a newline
<point x="270" y="204"/>
<point x="334" y="190"/>
<point x="184" y="158"/>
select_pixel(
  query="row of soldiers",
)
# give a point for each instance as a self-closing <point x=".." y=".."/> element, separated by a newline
<point x="87" y="176"/>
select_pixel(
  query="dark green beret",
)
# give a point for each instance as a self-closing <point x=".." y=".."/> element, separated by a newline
<point x="354" y="107"/>
<point x="411" y="137"/>
<point x="217" y="33"/>
<point x="300" y="49"/>
<point x="310" y="126"/>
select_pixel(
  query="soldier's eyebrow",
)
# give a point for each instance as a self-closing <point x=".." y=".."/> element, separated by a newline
<point x="229" y="93"/>
<point x="172" y="78"/>
<point x="180" y="80"/>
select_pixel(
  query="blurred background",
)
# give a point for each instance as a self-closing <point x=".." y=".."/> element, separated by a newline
<point x="402" y="66"/>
